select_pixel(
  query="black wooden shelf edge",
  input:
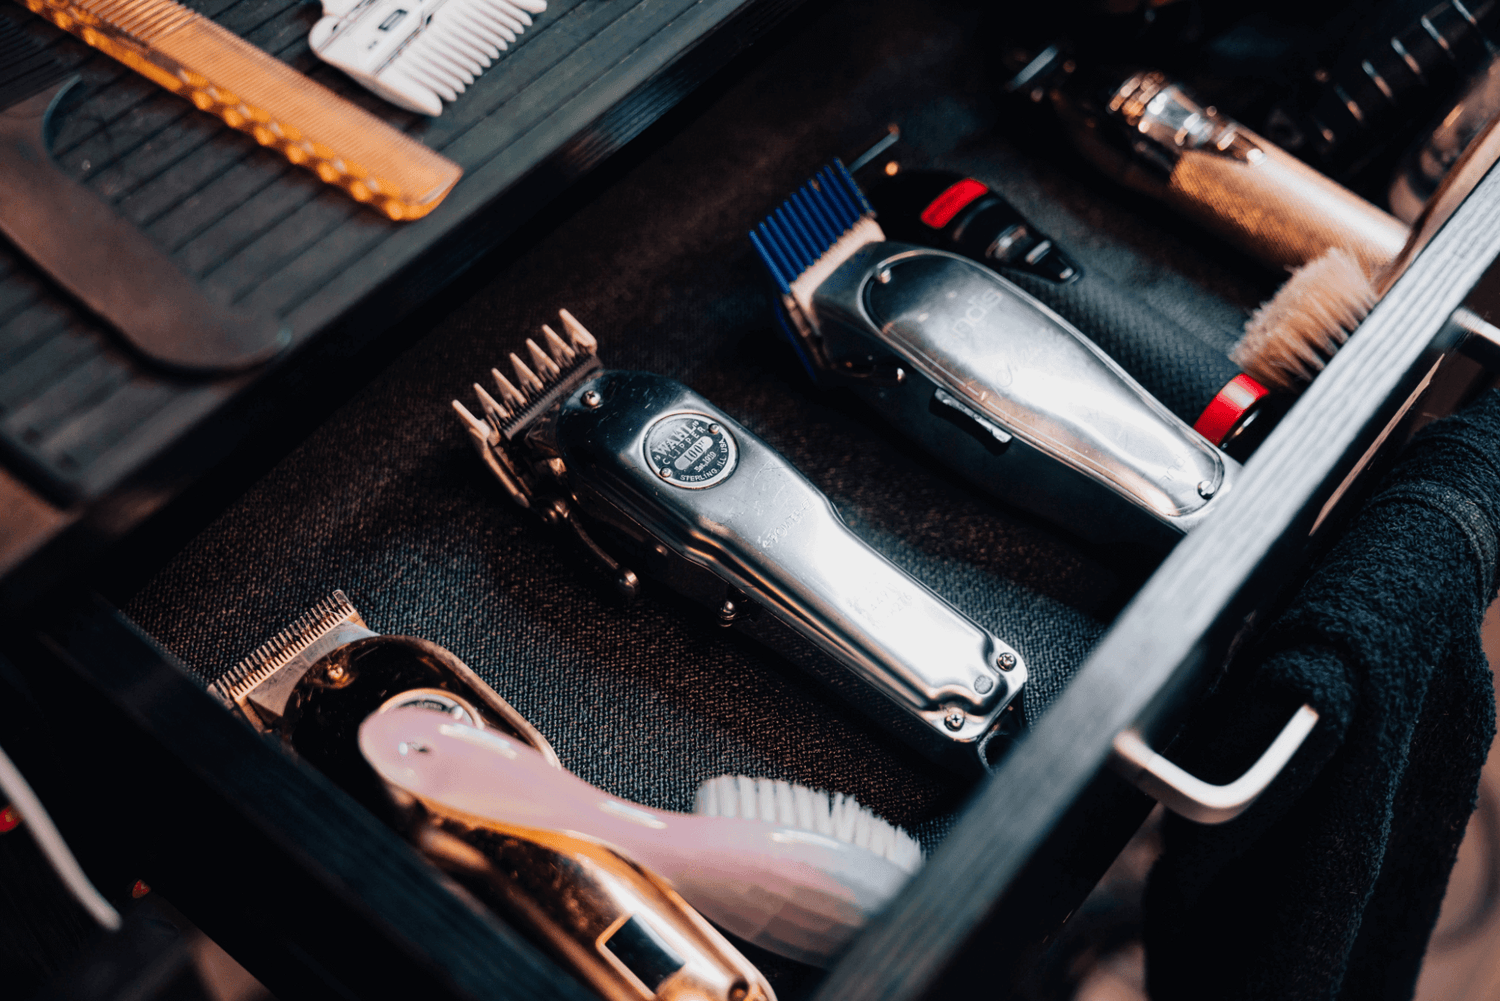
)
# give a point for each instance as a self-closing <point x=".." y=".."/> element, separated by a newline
<point x="313" y="894"/>
<point x="949" y="927"/>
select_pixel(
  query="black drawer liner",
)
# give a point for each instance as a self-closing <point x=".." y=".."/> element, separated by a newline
<point x="388" y="502"/>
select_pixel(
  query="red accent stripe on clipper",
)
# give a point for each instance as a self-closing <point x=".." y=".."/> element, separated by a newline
<point x="944" y="207"/>
<point x="1225" y="410"/>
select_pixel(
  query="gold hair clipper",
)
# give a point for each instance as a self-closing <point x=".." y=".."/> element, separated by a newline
<point x="614" y="924"/>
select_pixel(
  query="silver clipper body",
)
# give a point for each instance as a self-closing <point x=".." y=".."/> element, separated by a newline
<point x="700" y="502"/>
<point x="983" y="375"/>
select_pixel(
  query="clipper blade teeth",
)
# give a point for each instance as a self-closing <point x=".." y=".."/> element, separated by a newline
<point x="493" y="409"/>
<point x="511" y="393"/>
<point x="268" y="658"/>
<point x="555" y="371"/>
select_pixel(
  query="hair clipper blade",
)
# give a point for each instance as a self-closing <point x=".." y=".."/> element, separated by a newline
<point x="259" y="685"/>
<point x="508" y="441"/>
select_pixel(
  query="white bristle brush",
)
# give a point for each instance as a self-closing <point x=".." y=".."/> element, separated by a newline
<point x="790" y="869"/>
<point x="1288" y="340"/>
<point x="418" y="53"/>
<point x="837" y="815"/>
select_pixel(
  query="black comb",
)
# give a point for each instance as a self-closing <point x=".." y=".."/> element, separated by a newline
<point x="105" y="262"/>
<point x="25" y="67"/>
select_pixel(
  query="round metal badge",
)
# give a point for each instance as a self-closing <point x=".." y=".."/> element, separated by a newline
<point x="691" y="450"/>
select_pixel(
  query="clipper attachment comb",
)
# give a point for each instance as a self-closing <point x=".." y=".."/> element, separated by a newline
<point x="802" y="243"/>
<point x="531" y="473"/>
<point x="418" y="54"/>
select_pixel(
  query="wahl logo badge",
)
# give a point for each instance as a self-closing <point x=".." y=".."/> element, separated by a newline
<point x="690" y="450"/>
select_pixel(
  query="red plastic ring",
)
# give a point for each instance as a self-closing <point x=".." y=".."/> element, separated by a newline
<point x="1226" y="409"/>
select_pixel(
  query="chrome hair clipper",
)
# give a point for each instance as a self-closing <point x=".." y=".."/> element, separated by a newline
<point x="616" y="925"/>
<point x="981" y="373"/>
<point x="716" y="513"/>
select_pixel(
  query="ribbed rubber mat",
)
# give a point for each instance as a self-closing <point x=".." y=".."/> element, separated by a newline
<point x="78" y="410"/>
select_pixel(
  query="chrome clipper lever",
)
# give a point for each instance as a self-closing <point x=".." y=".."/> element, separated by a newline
<point x="723" y="518"/>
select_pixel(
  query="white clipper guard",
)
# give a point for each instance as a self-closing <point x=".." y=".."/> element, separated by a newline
<point x="418" y="53"/>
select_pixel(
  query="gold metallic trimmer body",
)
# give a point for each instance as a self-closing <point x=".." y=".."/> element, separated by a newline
<point x="614" y="924"/>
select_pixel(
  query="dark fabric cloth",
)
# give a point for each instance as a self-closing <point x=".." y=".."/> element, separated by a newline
<point x="1329" y="886"/>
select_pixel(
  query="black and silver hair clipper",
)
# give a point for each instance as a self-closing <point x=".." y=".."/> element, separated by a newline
<point x="982" y="374"/>
<point x="721" y="517"/>
<point x="1191" y="377"/>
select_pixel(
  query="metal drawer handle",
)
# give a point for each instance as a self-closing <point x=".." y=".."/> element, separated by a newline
<point x="1201" y="801"/>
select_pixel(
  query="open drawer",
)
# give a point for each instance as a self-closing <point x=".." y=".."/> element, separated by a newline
<point x="386" y="502"/>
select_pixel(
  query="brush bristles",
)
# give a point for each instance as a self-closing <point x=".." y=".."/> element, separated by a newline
<point x="1291" y="338"/>
<point x="837" y="816"/>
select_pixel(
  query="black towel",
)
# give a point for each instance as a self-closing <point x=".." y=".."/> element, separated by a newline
<point x="1329" y="886"/>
